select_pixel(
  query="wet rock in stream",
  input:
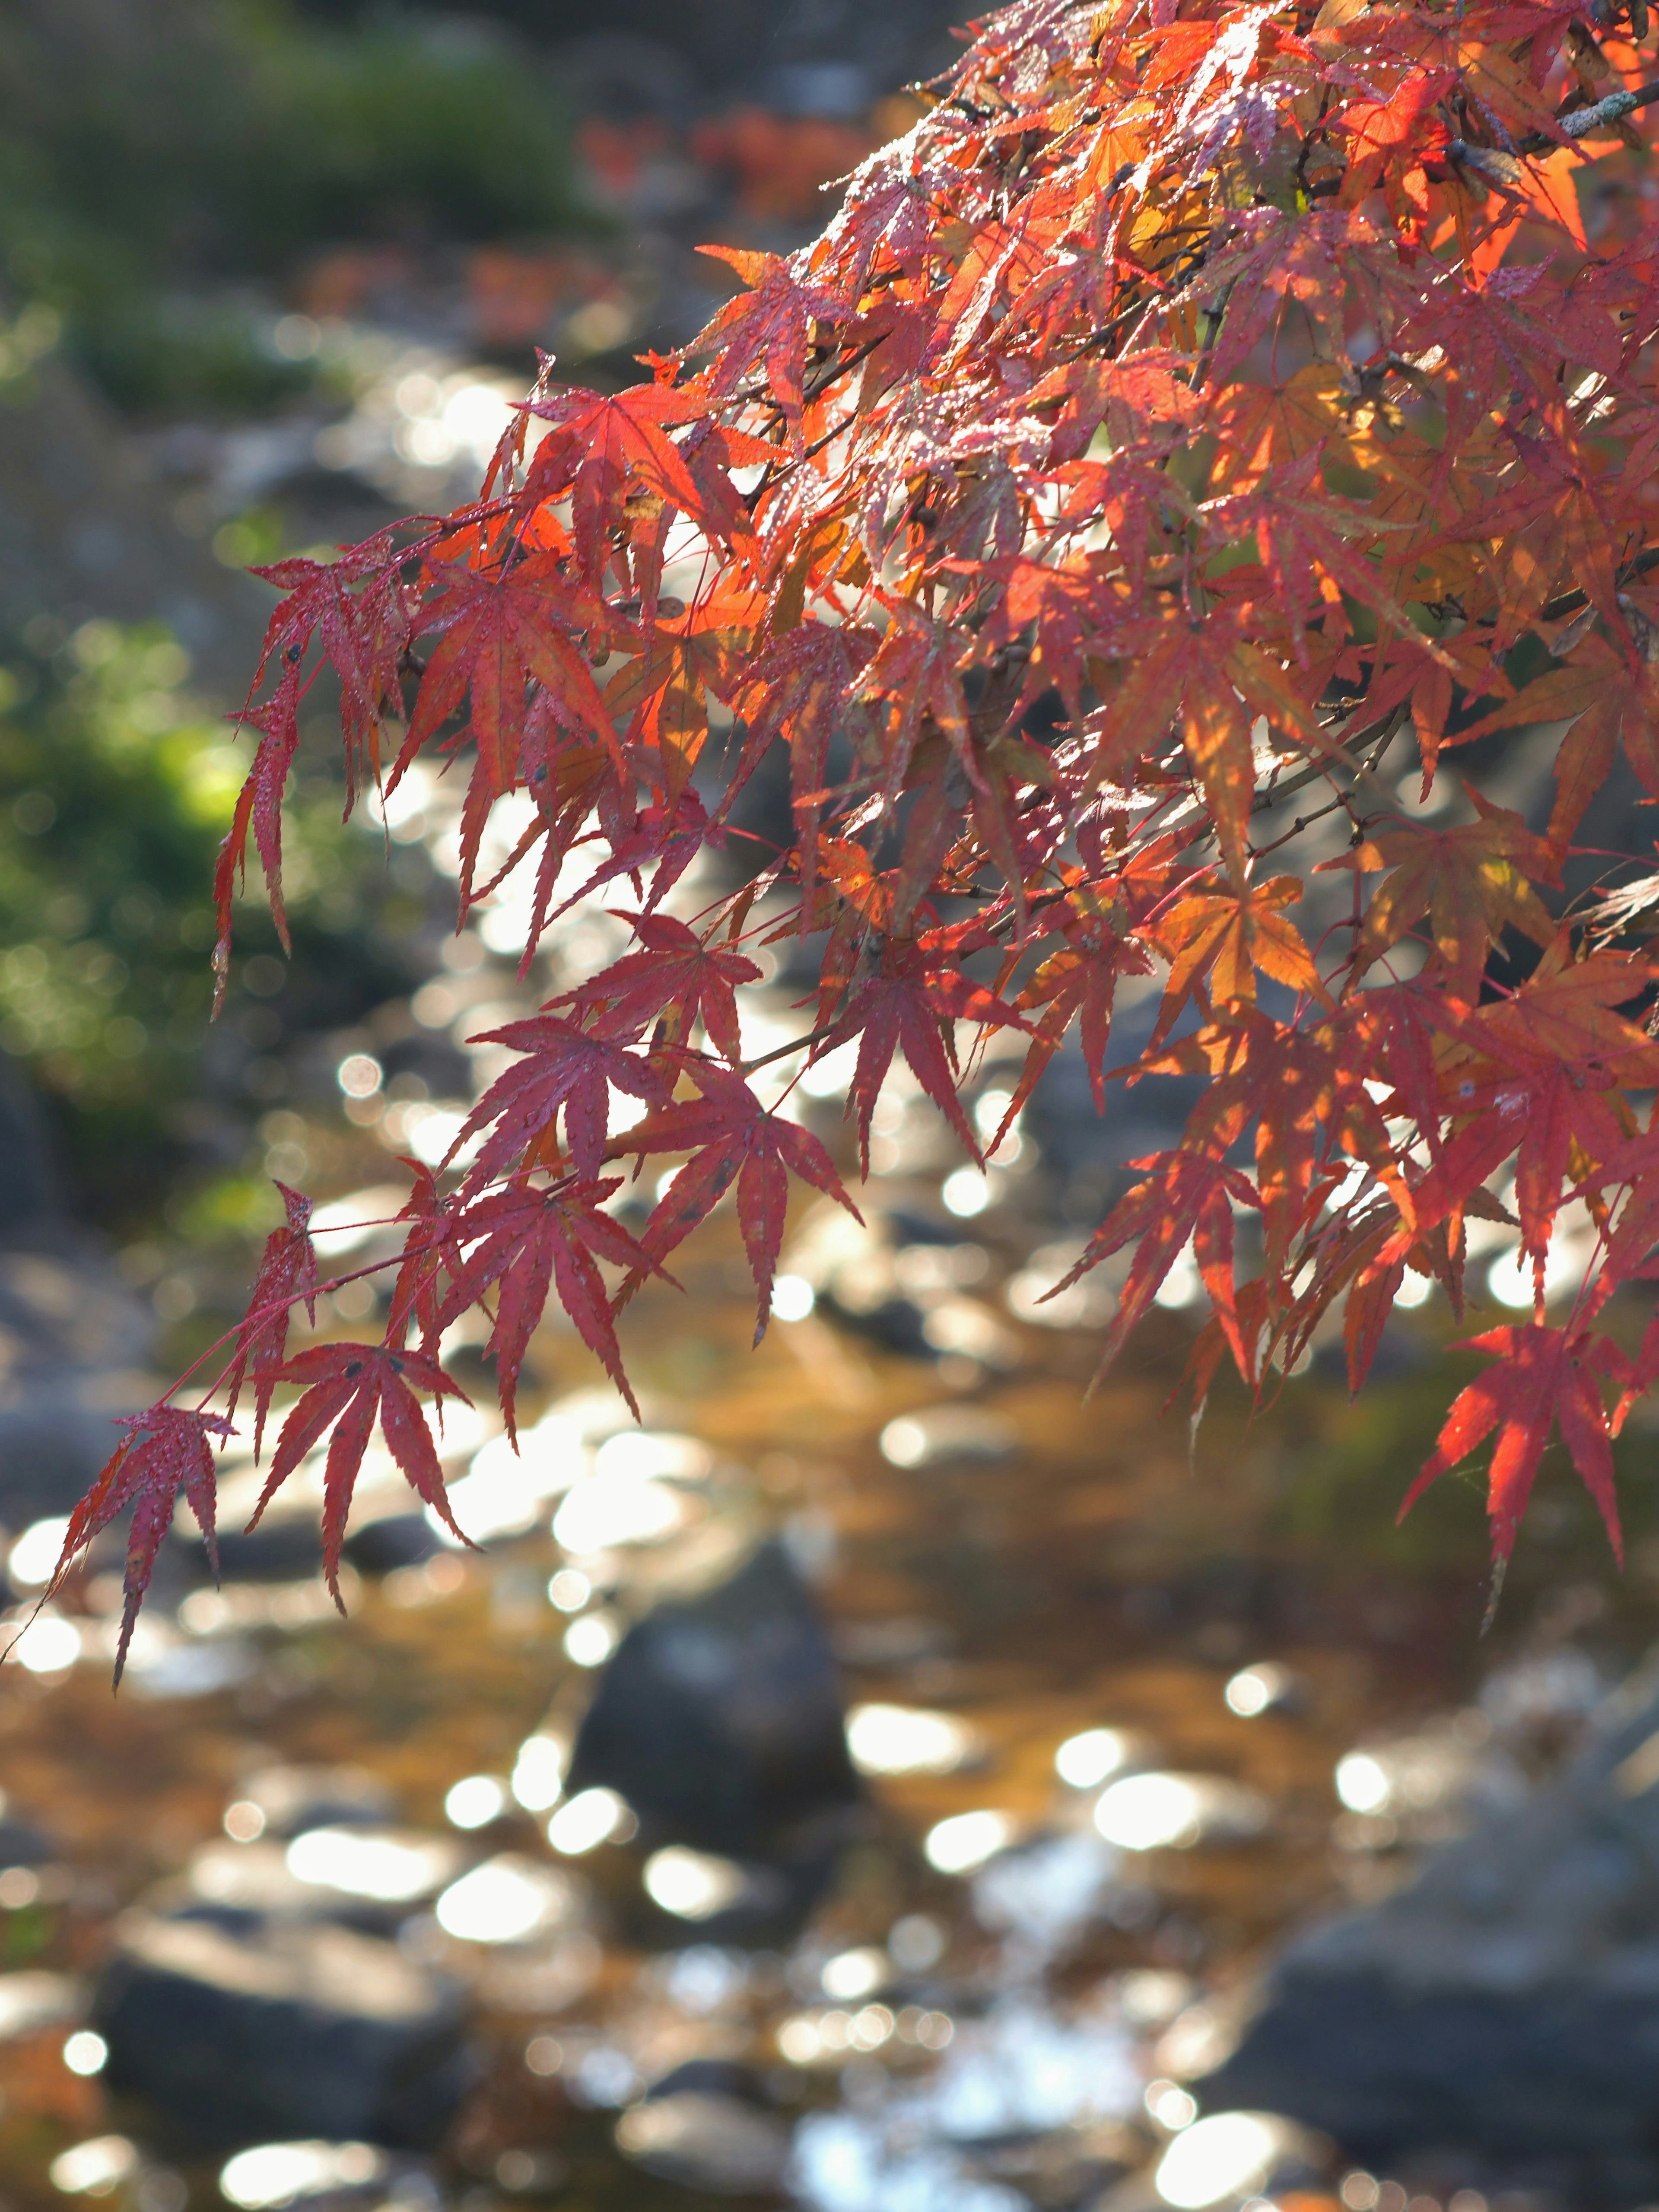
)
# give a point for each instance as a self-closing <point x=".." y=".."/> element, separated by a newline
<point x="719" y="1722"/>
<point x="74" y="1342"/>
<point x="1505" y="2006"/>
<point x="235" y="2027"/>
<point x="703" y="2136"/>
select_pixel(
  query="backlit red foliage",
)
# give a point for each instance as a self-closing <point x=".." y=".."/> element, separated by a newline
<point x="1205" y="415"/>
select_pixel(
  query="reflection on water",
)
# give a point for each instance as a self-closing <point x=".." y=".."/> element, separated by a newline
<point x="899" y="1740"/>
<point x="548" y="1877"/>
<point x="1218" y="2159"/>
<point x="692" y="1885"/>
<point x="1085" y="1760"/>
<point x="275" y="2174"/>
<point x="504" y="1901"/>
<point x="591" y="1818"/>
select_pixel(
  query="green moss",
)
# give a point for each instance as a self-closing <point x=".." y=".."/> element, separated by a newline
<point x="148" y="153"/>
<point x="115" y="791"/>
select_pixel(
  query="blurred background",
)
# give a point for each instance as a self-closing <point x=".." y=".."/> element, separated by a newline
<point x="887" y="1781"/>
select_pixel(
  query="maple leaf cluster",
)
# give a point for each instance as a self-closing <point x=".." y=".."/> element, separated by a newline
<point x="1205" y="415"/>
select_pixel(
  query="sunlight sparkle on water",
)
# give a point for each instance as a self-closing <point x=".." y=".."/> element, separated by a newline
<point x="651" y="1455"/>
<point x="1228" y="2155"/>
<point x="244" y="1821"/>
<point x="94" y="2167"/>
<point x="365" y="1865"/>
<point x="271" y="2174"/>
<point x="623" y="1509"/>
<point x="1170" y="2106"/>
<point x="1361" y="1783"/>
<point x="1148" y="1812"/>
<point x="901" y="1740"/>
<point x="475" y="1802"/>
<point x="792" y="1298"/>
<point x="502" y="1901"/>
<point x="967" y="1839"/>
<point x="568" y="1590"/>
<point x="693" y="1885"/>
<point x="965" y="1192"/>
<point x="591" y="1818"/>
<point x="491" y="1501"/>
<point x="1086" y="1760"/>
<point x="46" y="1645"/>
<point x="1255" y="1690"/>
<point x="538" y="1773"/>
<point x="853" y="1974"/>
<point x="590" y="1640"/>
<point x="33" y="1559"/>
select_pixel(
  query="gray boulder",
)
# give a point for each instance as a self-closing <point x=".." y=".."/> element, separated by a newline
<point x="1506" y="2004"/>
<point x="237" y="2028"/>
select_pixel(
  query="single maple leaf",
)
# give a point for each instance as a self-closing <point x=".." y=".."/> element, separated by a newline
<point x="431" y="1253"/>
<point x="165" y="1450"/>
<point x="1076" y="983"/>
<point x="566" y="1070"/>
<point x="677" y="969"/>
<point x="498" y="627"/>
<point x="349" y="1386"/>
<point x="613" y="440"/>
<point x="1471" y="881"/>
<point x="1296" y="1094"/>
<point x="912" y="1004"/>
<point x="521" y="1240"/>
<point x="1222" y="937"/>
<point x="1566" y="1009"/>
<point x="1606" y="695"/>
<point x="360" y="607"/>
<point x="660" y="700"/>
<point x="662" y="837"/>
<point x="914" y="680"/>
<point x="732" y="1138"/>
<point x="1544" y="1378"/>
<point x="258" y="808"/>
<point x="800" y="689"/>
<point x="287" y="1277"/>
<point x="500" y="630"/>
<point x="1183" y="1197"/>
<point x="772" y="323"/>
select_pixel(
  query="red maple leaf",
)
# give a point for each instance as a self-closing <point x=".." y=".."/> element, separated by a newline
<point x="166" y="1450"/>
<point x="603" y="443"/>
<point x="912" y="1004"/>
<point x="798" y="689"/>
<point x="1544" y="1377"/>
<point x="566" y="1070"/>
<point x="349" y="1386"/>
<point x="679" y="970"/>
<point x="1076" y="983"/>
<point x="732" y="1138"/>
<point x="259" y="808"/>
<point x="431" y="1251"/>
<point x="772" y="323"/>
<point x="501" y="628"/>
<point x="659" y="836"/>
<point x="362" y="608"/>
<point x="288" y="1274"/>
<point x="521" y="1240"/>
<point x="1185" y="1197"/>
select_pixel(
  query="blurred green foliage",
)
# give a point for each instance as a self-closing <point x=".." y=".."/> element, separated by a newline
<point x="146" y="149"/>
<point x="114" y="793"/>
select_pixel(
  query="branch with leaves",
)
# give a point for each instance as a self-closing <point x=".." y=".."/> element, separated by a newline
<point x="1199" y="398"/>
